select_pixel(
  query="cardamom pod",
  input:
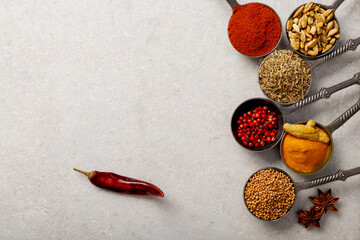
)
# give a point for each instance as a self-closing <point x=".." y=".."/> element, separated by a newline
<point x="333" y="32"/>
<point x="313" y="30"/>
<point x="296" y="28"/>
<point x="330" y="26"/>
<point x="327" y="12"/>
<point x="289" y="25"/>
<point x="308" y="7"/>
<point x="297" y="13"/>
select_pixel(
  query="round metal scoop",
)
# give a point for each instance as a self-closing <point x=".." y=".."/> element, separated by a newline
<point x="298" y="186"/>
<point x="333" y="6"/>
<point x="233" y="3"/>
<point x="329" y="129"/>
<point x="351" y="44"/>
<point x="283" y="111"/>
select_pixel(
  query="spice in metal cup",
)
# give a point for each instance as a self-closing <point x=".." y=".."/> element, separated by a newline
<point x="257" y="127"/>
<point x="308" y="157"/>
<point x="282" y="111"/>
<point x="274" y="131"/>
<point x="284" y="76"/>
<point x="269" y="194"/>
<point x="303" y="155"/>
<point x="254" y="29"/>
<point x="263" y="191"/>
<point x="313" y="29"/>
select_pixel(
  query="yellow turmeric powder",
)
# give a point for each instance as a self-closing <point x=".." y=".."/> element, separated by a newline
<point x="303" y="155"/>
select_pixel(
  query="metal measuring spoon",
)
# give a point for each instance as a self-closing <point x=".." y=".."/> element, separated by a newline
<point x="351" y="44"/>
<point x="283" y="111"/>
<point x="329" y="129"/>
<point x="233" y="3"/>
<point x="333" y="6"/>
<point x="299" y="186"/>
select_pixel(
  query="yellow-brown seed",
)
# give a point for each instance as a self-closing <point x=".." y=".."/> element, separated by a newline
<point x="269" y="194"/>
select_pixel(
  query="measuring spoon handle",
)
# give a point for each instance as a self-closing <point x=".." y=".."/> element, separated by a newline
<point x="339" y="175"/>
<point x="336" y="4"/>
<point x="323" y="93"/>
<point x="232" y="3"/>
<point x="349" y="45"/>
<point x="343" y="117"/>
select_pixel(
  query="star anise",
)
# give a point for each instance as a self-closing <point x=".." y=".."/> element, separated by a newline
<point x="309" y="217"/>
<point x="324" y="202"/>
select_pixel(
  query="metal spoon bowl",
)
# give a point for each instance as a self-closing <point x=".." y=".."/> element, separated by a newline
<point x="249" y="105"/>
<point x="351" y="44"/>
<point x="283" y="111"/>
<point x="299" y="186"/>
<point x="334" y="6"/>
<point x="233" y="3"/>
<point x="329" y="129"/>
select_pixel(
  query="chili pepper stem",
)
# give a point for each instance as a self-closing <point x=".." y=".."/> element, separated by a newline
<point x="88" y="174"/>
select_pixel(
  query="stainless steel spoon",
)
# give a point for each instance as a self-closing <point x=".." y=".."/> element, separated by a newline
<point x="283" y="111"/>
<point x="299" y="186"/>
<point x="333" y="6"/>
<point x="233" y="3"/>
<point x="329" y="129"/>
<point x="351" y="44"/>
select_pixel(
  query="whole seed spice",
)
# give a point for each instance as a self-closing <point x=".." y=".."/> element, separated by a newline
<point x="309" y="217"/>
<point x="322" y="203"/>
<point x="284" y="76"/>
<point x="312" y="29"/>
<point x="269" y="194"/>
<point x="257" y="127"/>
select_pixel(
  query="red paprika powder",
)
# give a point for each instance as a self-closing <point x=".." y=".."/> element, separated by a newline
<point x="254" y="29"/>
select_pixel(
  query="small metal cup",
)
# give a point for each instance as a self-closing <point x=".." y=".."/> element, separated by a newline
<point x="233" y="3"/>
<point x="334" y="6"/>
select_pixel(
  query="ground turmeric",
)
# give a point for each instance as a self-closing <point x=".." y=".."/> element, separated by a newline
<point x="303" y="155"/>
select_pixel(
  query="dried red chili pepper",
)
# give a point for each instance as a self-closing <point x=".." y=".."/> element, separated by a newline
<point x="121" y="184"/>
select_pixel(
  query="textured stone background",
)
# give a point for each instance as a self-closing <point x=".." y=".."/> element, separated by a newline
<point x="147" y="89"/>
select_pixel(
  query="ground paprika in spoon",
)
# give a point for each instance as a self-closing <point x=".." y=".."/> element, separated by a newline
<point x="118" y="183"/>
<point x="254" y="29"/>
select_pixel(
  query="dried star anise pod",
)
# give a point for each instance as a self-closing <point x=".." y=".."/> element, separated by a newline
<point x="324" y="202"/>
<point x="309" y="217"/>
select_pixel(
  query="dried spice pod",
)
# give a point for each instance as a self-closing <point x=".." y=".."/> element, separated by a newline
<point x="118" y="183"/>
<point x="322" y="203"/>
<point x="319" y="22"/>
